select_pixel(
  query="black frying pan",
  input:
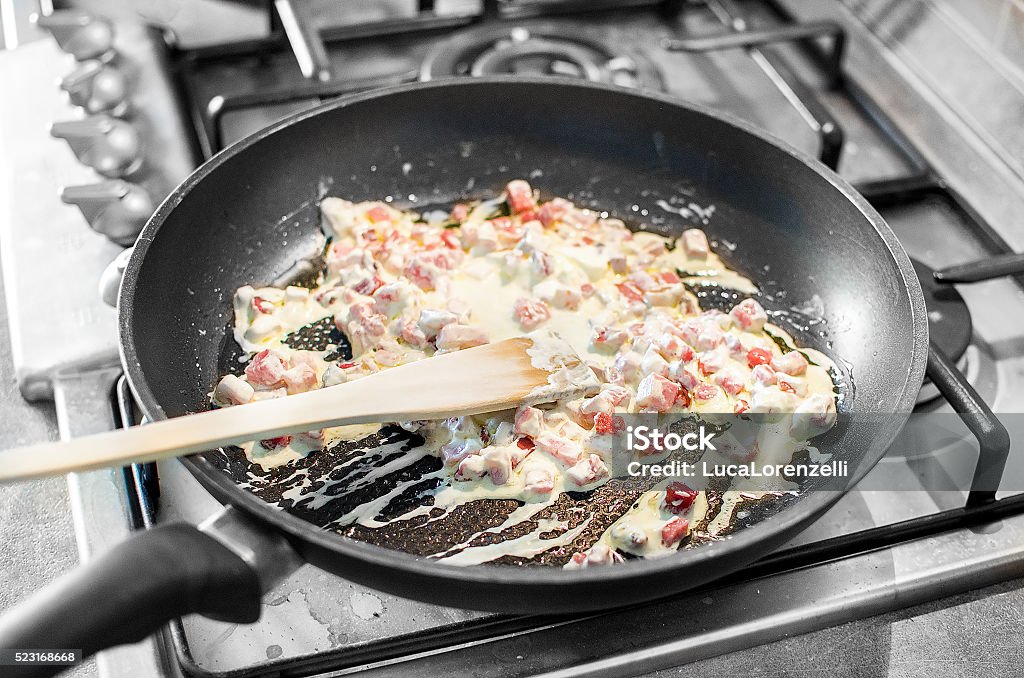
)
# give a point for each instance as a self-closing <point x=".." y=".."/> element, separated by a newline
<point x="249" y="213"/>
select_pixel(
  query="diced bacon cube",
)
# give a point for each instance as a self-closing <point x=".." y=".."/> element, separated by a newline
<point x="695" y="243"/>
<point x="711" y="362"/>
<point x="232" y="391"/>
<point x="655" y="392"/>
<point x="667" y="295"/>
<point x="792" y="384"/>
<point x="763" y="375"/>
<point x="688" y="330"/>
<point x="674" y="531"/>
<point x="628" y="364"/>
<point x="608" y="338"/>
<point x="274" y="443"/>
<point x="684" y="375"/>
<point x="741" y="406"/>
<point x="530" y="312"/>
<point x="458" y="449"/>
<point x="471" y="468"/>
<point x="673" y="348"/>
<point x="299" y="379"/>
<point x="601" y="554"/>
<point x="749" y="315"/>
<point x="710" y="337"/>
<point x="614" y="393"/>
<point x="553" y="210"/>
<point x="653" y="363"/>
<point x="529" y="421"/>
<point x="422" y="273"/>
<point x="562" y="449"/>
<point x="758" y="356"/>
<point x="265" y="369"/>
<point x="679" y="497"/>
<point x="433" y="320"/>
<point x="367" y="286"/>
<point x="412" y="334"/>
<point x="734" y="346"/>
<point x="520" y="196"/>
<point x="597" y="404"/>
<point x="539" y="479"/>
<point x="378" y="213"/>
<point x="588" y="471"/>
<point x="498" y="462"/>
<point x="606" y="424"/>
<point x="793" y="363"/>
<point x="390" y="299"/>
<point x="460" y="212"/>
<point x="731" y="381"/>
<point x="814" y="415"/>
<point x="706" y="392"/>
<point x="453" y="337"/>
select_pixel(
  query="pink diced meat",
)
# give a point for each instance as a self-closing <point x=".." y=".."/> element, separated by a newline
<point x="560" y="448"/>
<point x="265" y="369"/>
<point x="749" y="316"/>
<point x="529" y="421"/>
<point x="520" y="196"/>
<point x="695" y="243"/>
<point x="793" y="363"/>
<point x="530" y="312"/>
<point x="539" y="479"/>
<point x="655" y="392"/>
<point x="588" y="470"/>
<point x="299" y="379"/>
<point x="454" y="337"/>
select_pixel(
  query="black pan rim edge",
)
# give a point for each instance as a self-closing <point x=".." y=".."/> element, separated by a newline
<point x="297" y="530"/>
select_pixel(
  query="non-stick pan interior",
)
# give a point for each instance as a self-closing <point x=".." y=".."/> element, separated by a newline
<point x="250" y="213"/>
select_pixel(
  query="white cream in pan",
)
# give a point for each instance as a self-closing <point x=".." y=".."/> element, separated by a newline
<point x="402" y="289"/>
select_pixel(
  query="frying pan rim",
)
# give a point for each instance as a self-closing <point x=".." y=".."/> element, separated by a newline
<point x="297" y="530"/>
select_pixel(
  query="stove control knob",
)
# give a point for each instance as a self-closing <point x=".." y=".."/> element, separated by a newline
<point x="110" y="146"/>
<point x="97" y="87"/>
<point x="79" y="33"/>
<point x="117" y="209"/>
<point x="110" y="279"/>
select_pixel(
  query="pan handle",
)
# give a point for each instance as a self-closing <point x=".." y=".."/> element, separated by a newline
<point x="157" y="575"/>
<point x="984" y="269"/>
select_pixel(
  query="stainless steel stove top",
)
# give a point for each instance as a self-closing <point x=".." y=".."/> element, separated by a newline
<point x="941" y="177"/>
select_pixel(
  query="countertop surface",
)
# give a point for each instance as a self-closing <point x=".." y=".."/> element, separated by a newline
<point x="980" y="633"/>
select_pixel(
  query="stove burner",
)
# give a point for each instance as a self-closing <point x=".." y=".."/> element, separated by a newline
<point x="949" y="323"/>
<point x="542" y="49"/>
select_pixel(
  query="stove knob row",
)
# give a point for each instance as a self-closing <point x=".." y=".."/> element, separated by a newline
<point x="80" y="34"/>
<point x="117" y="209"/>
<point x="109" y="145"/>
<point x="97" y="87"/>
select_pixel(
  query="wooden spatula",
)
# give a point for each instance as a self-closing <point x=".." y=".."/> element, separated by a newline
<point x="539" y="367"/>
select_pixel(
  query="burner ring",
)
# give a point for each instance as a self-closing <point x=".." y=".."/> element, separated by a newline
<point x="554" y="49"/>
<point x="502" y="56"/>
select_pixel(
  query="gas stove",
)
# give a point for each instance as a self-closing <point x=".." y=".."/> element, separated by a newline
<point x="151" y="92"/>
